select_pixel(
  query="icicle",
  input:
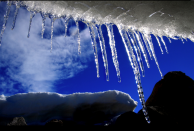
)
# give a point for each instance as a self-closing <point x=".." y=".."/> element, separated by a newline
<point x="131" y="34"/>
<point x="159" y="43"/>
<point x="103" y="50"/>
<point x="164" y="44"/>
<point x="32" y="14"/>
<point x="66" y="27"/>
<point x="52" y="25"/>
<point x="78" y="38"/>
<point x="67" y="18"/>
<point x="16" y="13"/>
<point x="169" y="39"/>
<point x="182" y="39"/>
<point x="43" y="23"/>
<point x="134" y="65"/>
<point x="142" y="100"/>
<point x="174" y="38"/>
<point x="154" y="55"/>
<point x="113" y="49"/>
<point x="93" y="41"/>
<point x="142" y="50"/>
<point x="5" y="19"/>
<point x="136" y="47"/>
<point x="148" y="48"/>
<point x="129" y="49"/>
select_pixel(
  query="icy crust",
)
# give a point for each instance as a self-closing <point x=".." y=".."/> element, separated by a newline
<point x="162" y="18"/>
<point x="38" y="108"/>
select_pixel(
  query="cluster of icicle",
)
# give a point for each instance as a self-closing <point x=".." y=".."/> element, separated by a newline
<point x="132" y="39"/>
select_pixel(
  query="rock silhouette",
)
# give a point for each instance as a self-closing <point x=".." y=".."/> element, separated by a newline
<point x="170" y="103"/>
<point x="18" y="121"/>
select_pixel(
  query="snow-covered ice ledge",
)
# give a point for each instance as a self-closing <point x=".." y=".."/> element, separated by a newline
<point x="39" y="108"/>
<point x="162" y="18"/>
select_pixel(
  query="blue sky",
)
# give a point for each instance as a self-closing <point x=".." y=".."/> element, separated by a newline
<point x="26" y="64"/>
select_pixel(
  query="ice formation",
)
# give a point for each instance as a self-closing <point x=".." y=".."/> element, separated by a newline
<point x="136" y="21"/>
<point x="39" y="108"/>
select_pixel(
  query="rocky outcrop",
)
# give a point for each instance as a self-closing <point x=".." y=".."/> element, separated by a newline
<point x="18" y="121"/>
<point x="170" y="103"/>
<point x="159" y="116"/>
<point x="172" y="97"/>
<point x="90" y="114"/>
<point x="176" y="87"/>
<point x="130" y="119"/>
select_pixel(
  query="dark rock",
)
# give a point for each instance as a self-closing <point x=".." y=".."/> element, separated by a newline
<point x="159" y="116"/>
<point x="167" y="91"/>
<point x="88" y="114"/>
<point x="68" y="123"/>
<point x="169" y="104"/>
<point x="171" y="100"/>
<point x="112" y="121"/>
<point x="5" y="120"/>
<point x="131" y="119"/>
<point x="54" y="122"/>
<point x="18" y="121"/>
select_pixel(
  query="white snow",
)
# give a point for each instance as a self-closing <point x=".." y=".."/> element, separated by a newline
<point x="39" y="108"/>
<point x="162" y="18"/>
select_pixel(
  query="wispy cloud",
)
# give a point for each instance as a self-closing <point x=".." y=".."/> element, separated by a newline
<point x="27" y="64"/>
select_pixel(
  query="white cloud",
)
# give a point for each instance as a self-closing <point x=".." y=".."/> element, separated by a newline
<point x="28" y="61"/>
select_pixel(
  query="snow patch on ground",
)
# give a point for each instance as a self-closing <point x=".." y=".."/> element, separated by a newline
<point x="38" y="108"/>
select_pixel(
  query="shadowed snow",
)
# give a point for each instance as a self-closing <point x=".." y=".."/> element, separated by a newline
<point x="38" y="108"/>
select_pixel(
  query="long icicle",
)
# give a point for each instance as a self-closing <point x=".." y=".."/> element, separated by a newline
<point x="137" y="50"/>
<point x="159" y="43"/>
<point x="164" y="44"/>
<point x="78" y="37"/>
<point x="67" y="18"/>
<point x="147" y="46"/>
<point x="52" y="26"/>
<point x="139" y="41"/>
<point x="103" y="50"/>
<point x="154" y="55"/>
<point x="113" y="49"/>
<point x="186" y="39"/>
<point x="43" y="23"/>
<point x="182" y="39"/>
<point x="32" y="14"/>
<point x="169" y="39"/>
<point x="134" y="65"/>
<point x="93" y="41"/>
<point x="16" y="13"/>
<point x="143" y="50"/>
<point x="5" y="19"/>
